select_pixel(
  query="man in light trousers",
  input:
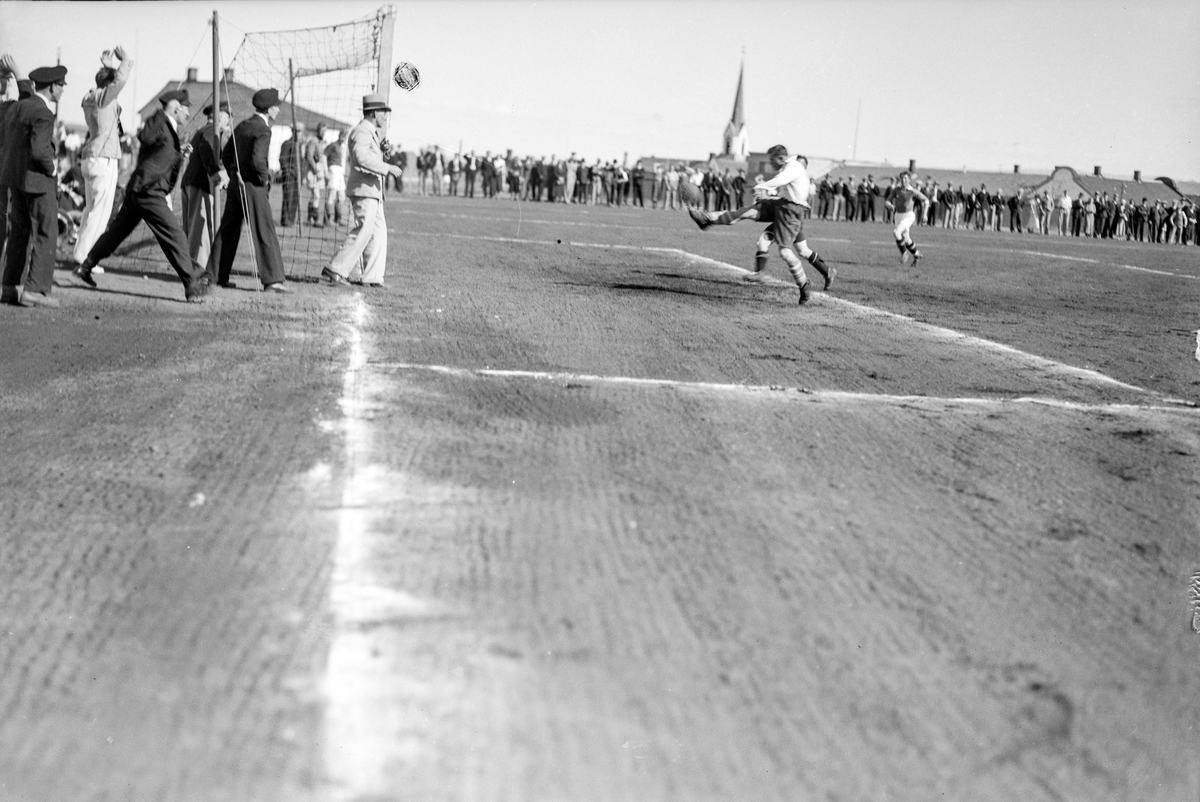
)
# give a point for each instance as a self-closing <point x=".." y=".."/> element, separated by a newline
<point x="102" y="150"/>
<point x="365" y="249"/>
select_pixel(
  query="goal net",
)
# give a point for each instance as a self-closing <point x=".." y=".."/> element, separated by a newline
<point x="321" y="75"/>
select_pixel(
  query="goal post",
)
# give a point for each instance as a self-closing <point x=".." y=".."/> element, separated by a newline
<point x="321" y="74"/>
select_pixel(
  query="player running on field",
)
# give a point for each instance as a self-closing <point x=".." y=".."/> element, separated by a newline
<point x="900" y="199"/>
<point x="785" y="213"/>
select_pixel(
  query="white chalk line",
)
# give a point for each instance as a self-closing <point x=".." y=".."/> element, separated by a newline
<point x="938" y="332"/>
<point x="569" y="378"/>
<point x="1101" y="262"/>
<point x="362" y="695"/>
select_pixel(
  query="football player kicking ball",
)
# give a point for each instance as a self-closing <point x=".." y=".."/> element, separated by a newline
<point x="784" y="213"/>
<point x="900" y="199"/>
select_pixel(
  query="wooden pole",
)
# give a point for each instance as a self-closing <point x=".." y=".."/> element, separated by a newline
<point x="383" y="80"/>
<point x="295" y="147"/>
<point x="216" y="127"/>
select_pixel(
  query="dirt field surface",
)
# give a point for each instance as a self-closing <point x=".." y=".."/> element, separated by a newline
<point x="572" y="511"/>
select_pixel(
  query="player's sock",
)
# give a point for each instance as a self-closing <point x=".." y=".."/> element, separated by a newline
<point x="900" y="245"/>
<point x="911" y="246"/>
<point x="724" y="219"/>
<point x="816" y="261"/>
<point x="760" y="261"/>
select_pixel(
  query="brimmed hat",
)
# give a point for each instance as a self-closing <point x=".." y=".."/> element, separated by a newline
<point x="44" y="76"/>
<point x="375" y="102"/>
<point x="175" y="94"/>
<point x="224" y="107"/>
<point x="265" y="98"/>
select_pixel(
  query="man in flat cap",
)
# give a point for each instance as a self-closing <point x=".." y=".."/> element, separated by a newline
<point x="160" y="159"/>
<point x="203" y="177"/>
<point x="245" y="157"/>
<point x="29" y="171"/>
<point x="101" y="152"/>
<point x="366" y="246"/>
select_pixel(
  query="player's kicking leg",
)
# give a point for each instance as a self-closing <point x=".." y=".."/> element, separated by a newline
<point x="706" y="219"/>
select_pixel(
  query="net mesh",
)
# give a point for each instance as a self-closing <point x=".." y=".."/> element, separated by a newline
<point x="321" y="75"/>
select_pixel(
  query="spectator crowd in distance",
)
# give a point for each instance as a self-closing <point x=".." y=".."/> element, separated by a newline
<point x="574" y="180"/>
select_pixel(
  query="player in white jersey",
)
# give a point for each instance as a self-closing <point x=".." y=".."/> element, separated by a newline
<point x="784" y="212"/>
<point x="899" y="198"/>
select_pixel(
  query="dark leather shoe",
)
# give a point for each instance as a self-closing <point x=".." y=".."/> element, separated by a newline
<point x="227" y="285"/>
<point x="197" y="292"/>
<point x="10" y="294"/>
<point x="805" y="293"/>
<point x="83" y="272"/>
<point x="700" y="218"/>
<point x="830" y="276"/>
<point x="333" y="279"/>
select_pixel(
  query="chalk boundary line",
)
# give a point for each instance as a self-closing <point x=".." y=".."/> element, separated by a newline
<point x="937" y="332"/>
<point x="568" y="378"/>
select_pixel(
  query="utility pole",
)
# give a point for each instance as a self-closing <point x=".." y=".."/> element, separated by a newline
<point x="857" y="118"/>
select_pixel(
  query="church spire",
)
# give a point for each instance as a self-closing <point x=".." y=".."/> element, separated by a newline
<point x="736" y="140"/>
<point x="739" y="118"/>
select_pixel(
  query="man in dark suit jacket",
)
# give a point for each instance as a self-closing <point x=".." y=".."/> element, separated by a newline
<point x="245" y="156"/>
<point x="28" y="170"/>
<point x="160" y="159"/>
<point x="203" y="178"/>
<point x="8" y="73"/>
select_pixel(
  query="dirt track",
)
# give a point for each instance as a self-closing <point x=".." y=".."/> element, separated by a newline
<point x="552" y="522"/>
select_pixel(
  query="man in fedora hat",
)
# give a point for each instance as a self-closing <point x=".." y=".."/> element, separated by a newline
<point x="160" y="159"/>
<point x="102" y="151"/>
<point x="366" y="246"/>
<point x="203" y="177"/>
<point x="29" y="170"/>
<point x="245" y="157"/>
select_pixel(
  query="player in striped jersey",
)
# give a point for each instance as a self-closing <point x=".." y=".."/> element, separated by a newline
<point x="900" y="199"/>
<point x="785" y="213"/>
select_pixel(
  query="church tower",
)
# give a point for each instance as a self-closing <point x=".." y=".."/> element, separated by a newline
<point x="737" y="141"/>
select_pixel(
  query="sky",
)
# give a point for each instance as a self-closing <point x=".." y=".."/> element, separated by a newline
<point x="980" y="84"/>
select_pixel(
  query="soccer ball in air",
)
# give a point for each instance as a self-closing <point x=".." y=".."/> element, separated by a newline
<point x="406" y="76"/>
<point x="689" y="193"/>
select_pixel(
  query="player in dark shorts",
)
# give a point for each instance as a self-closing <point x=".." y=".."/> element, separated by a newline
<point x="785" y="216"/>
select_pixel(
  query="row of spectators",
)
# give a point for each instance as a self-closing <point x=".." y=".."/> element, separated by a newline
<point x="1020" y="211"/>
<point x="573" y="180"/>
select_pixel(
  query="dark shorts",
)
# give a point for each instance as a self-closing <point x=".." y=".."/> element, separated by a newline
<point x="785" y="219"/>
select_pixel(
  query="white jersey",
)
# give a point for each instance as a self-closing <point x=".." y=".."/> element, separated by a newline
<point x="791" y="182"/>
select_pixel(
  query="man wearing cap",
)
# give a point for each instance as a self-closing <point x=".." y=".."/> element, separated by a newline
<point x="202" y="178"/>
<point x="102" y="151"/>
<point x="366" y="246"/>
<point x="160" y="159"/>
<point x="29" y="172"/>
<point x="245" y="157"/>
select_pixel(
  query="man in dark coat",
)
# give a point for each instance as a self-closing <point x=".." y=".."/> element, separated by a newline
<point x="848" y="196"/>
<point x="29" y="172"/>
<point x="8" y="72"/>
<point x="245" y="156"/>
<point x="203" y="178"/>
<point x="160" y="160"/>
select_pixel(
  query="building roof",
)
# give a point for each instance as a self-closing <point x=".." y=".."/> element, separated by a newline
<point x="1128" y="189"/>
<point x="968" y="179"/>
<point x="240" y="106"/>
